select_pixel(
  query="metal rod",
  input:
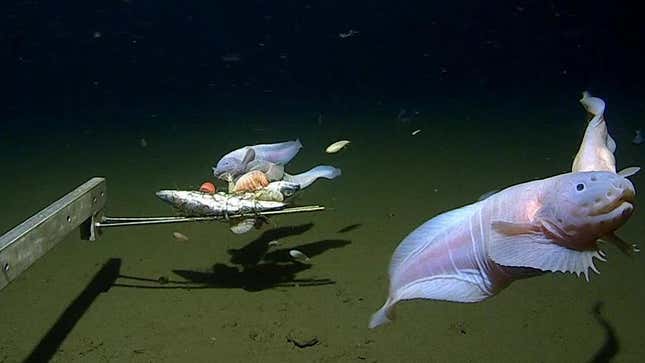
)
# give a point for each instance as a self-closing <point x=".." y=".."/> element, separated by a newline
<point x="110" y="219"/>
<point x="142" y="221"/>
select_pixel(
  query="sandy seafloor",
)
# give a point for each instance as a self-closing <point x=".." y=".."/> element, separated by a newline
<point x="391" y="183"/>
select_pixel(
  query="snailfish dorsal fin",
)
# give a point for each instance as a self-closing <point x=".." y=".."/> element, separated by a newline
<point x="627" y="172"/>
<point x="248" y="157"/>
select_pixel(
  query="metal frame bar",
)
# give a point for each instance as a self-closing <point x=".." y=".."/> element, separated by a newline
<point x="83" y="207"/>
<point x="27" y="242"/>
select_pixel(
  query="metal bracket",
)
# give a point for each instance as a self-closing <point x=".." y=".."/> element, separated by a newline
<point x="27" y="242"/>
<point x="83" y="207"/>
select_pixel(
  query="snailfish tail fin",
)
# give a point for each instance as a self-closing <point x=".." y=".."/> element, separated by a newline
<point x="593" y="105"/>
<point x="383" y="316"/>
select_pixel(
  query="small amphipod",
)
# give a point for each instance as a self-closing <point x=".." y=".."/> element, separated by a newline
<point x="251" y="181"/>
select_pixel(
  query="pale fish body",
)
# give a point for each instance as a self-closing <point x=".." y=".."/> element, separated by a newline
<point x="596" y="151"/>
<point x="307" y="178"/>
<point x="471" y="253"/>
<point x="278" y="153"/>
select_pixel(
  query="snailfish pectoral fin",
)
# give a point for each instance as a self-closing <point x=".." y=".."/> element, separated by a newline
<point x="535" y="250"/>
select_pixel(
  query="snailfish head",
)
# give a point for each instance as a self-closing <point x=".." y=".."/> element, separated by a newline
<point x="581" y="207"/>
<point x="226" y="167"/>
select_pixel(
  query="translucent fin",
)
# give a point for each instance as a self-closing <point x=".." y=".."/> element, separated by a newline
<point x="611" y="144"/>
<point x="536" y="251"/>
<point x="384" y="315"/>
<point x="248" y="157"/>
<point x="593" y="105"/>
<point x="456" y="288"/>
<point x="627" y="172"/>
<point x="487" y="194"/>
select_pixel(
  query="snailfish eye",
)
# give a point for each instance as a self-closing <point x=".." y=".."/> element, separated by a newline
<point x="580" y="187"/>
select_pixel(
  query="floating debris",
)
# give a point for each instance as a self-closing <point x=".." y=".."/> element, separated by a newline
<point x="298" y="256"/>
<point x="402" y="115"/>
<point x="143" y="143"/>
<point x="180" y="236"/>
<point x="274" y="243"/>
<point x="349" y="33"/>
<point x="231" y="58"/>
<point x="337" y="146"/>
<point x="638" y="139"/>
<point x="416" y="132"/>
<point x="406" y="116"/>
<point x="243" y="226"/>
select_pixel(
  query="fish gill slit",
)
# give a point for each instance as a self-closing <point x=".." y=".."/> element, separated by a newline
<point x="452" y="260"/>
<point x="473" y="243"/>
<point x="481" y="263"/>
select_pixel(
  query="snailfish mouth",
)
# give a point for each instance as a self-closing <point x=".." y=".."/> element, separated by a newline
<point x="618" y="204"/>
<point x="628" y="209"/>
<point x="621" y="212"/>
<point x="626" y="196"/>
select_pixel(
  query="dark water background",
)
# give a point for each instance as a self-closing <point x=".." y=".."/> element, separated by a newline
<point x="494" y="89"/>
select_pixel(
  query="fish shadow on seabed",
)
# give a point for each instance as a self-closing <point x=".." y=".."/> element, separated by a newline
<point x="255" y="268"/>
<point x="349" y="228"/>
<point x="611" y="345"/>
<point x="253" y="252"/>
